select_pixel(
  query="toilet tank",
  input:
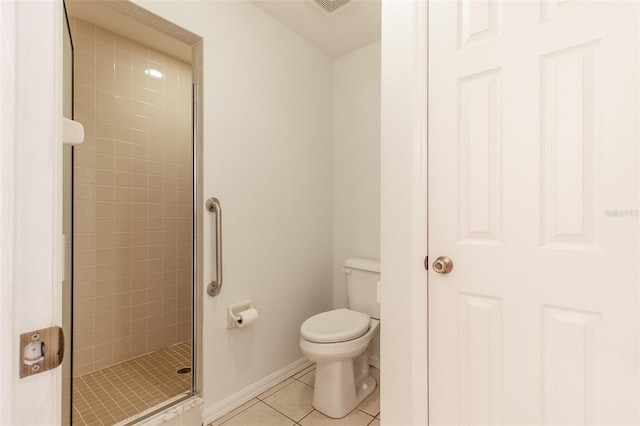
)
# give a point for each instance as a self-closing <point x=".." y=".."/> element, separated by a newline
<point x="362" y="285"/>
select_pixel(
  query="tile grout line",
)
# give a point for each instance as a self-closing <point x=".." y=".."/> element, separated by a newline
<point x="293" y="420"/>
<point x="120" y="376"/>
<point x="236" y="415"/>
<point x="298" y="422"/>
<point x="82" y="420"/>
<point x="267" y="404"/>
<point x="99" y="400"/>
<point x="281" y="387"/>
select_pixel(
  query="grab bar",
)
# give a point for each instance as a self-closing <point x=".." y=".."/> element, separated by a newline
<point x="214" y="287"/>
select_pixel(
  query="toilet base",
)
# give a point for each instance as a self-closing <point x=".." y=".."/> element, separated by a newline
<point x="342" y="385"/>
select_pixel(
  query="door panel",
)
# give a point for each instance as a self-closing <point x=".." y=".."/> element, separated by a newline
<point x="533" y="192"/>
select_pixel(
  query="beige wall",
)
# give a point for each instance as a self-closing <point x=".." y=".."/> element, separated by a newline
<point x="133" y="202"/>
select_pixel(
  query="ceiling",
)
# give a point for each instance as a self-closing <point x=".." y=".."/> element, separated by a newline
<point x="347" y="28"/>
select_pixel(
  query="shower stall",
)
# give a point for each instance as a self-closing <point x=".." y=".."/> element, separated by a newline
<point x="132" y="299"/>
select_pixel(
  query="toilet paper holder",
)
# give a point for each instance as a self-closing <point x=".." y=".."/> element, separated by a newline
<point x="233" y="312"/>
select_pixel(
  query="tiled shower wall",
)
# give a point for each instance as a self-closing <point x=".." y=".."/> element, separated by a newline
<point x="132" y="200"/>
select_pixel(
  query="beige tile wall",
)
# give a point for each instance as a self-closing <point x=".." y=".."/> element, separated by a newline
<point x="133" y="200"/>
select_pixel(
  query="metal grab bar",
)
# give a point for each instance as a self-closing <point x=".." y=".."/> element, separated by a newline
<point x="214" y="287"/>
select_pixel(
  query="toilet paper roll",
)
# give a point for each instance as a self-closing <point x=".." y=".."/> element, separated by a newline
<point x="246" y="317"/>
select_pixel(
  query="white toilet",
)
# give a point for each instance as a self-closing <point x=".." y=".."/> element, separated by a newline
<point x="338" y="342"/>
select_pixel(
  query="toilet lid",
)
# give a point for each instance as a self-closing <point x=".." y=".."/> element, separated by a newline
<point x="335" y="326"/>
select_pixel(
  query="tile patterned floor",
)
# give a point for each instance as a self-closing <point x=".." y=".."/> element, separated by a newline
<point x="289" y="403"/>
<point x="116" y="393"/>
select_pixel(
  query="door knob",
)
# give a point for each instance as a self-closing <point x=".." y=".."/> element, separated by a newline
<point x="443" y="265"/>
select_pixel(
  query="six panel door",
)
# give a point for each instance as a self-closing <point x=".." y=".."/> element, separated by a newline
<point x="533" y="193"/>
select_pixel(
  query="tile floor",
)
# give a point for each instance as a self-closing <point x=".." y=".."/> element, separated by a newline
<point x="289" y="403"/>
<point x="116" y="393"/>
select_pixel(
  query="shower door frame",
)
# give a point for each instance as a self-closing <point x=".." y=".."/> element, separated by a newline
<point x="197" y="217"/>
<point x="67" y="397"/>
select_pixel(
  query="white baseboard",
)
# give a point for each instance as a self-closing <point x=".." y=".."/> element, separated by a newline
<point x="237" y="399"/>
<point x="374" y="361"/>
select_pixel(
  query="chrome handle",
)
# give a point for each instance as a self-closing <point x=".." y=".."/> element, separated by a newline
<point x="443" y="265"/>
<point x="214" y="287"/>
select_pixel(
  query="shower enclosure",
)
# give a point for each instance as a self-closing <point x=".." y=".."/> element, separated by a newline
<point x="133" y="226"/>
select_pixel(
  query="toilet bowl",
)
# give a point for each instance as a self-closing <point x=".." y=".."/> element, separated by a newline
<point x="342" y="372"/>
<point x="338" y="342"/>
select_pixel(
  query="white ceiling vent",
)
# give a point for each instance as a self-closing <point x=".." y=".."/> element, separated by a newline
<point x="330" y="6"/>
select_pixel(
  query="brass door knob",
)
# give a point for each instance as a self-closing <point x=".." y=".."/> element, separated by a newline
<point x="443" y="265"/>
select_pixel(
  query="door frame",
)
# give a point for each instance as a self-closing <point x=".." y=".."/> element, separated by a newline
<point x="31" y="205"/>
<point x="404" y="211"/>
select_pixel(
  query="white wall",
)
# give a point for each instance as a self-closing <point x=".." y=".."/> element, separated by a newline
<point x="356" y="161"/>
<point x="267" y="157"/>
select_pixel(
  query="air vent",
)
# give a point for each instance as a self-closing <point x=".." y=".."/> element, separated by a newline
<point x="331" y="5"/>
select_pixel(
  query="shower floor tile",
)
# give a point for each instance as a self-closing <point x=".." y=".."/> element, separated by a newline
<point x="116" y="393"/>
<point x="289" y="403"/>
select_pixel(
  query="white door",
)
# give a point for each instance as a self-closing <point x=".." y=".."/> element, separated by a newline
<point x="533" y="194"/>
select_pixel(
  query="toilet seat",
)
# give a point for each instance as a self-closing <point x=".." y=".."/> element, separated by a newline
<point x="335" y="326"/>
